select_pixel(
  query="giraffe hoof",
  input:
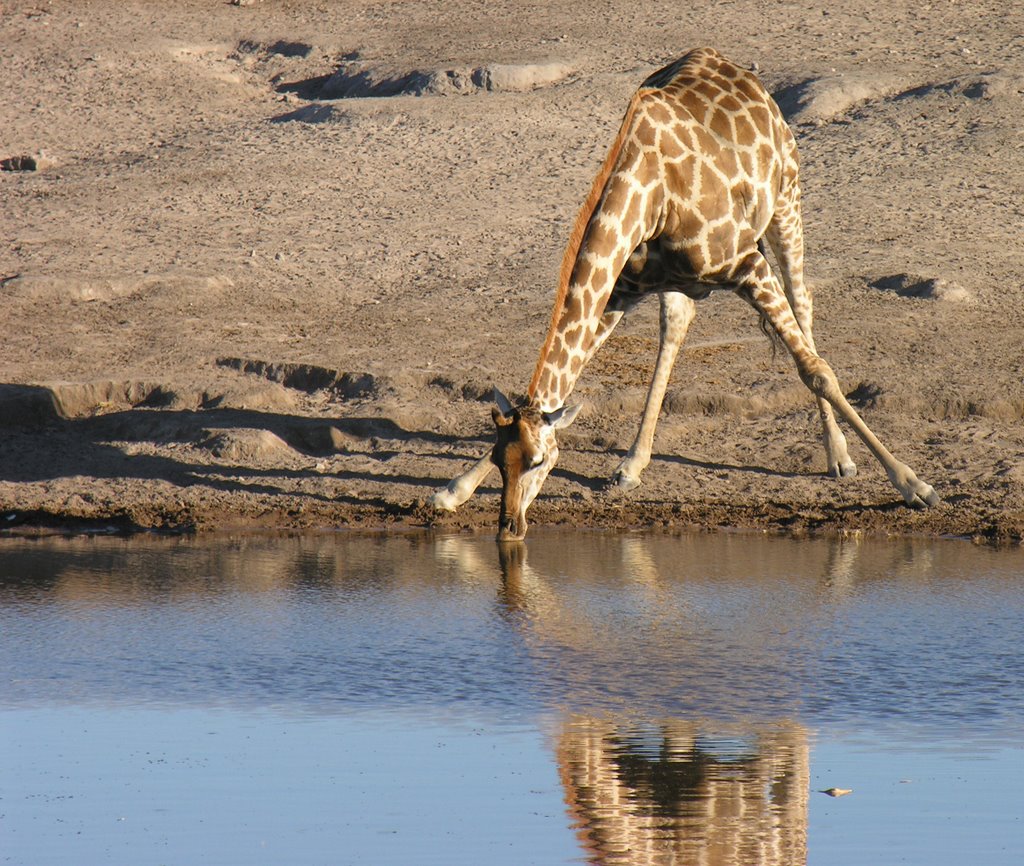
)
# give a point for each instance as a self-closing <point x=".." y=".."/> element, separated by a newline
<point x="444" y="500"/>
<point x="923" y="496"/>
<point x="622" y="482"/>
<point x="843" y="470"/>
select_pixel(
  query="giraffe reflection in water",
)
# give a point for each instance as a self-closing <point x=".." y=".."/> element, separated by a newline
<point x="670" y="791"/>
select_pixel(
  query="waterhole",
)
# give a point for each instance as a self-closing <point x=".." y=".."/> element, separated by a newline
<point x="585" y="698"/>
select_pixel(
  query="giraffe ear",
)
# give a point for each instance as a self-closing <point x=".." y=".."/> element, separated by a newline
<point x="502" y="413"/>
<point x="499" y="419"/>
<point x="503" y="402"/>
<point x="562" y="417"/>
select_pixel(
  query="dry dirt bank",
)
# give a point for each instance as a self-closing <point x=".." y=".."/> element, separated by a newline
<point x="272" y="258"/>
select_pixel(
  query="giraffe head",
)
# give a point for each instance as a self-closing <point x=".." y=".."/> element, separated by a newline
<point x="525" y="452"/>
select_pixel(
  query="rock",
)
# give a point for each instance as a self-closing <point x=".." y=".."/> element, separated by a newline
<point x="915" y="286"/>
<point x="246" y="445"/>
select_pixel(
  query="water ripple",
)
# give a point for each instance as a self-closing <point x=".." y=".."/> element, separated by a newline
<point x="823" y="632"/>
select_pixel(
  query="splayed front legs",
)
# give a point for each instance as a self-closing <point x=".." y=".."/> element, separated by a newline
<point x="785" y="236"/>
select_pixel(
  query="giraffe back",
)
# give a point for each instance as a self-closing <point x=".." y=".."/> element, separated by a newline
<point x="726" y="156"/>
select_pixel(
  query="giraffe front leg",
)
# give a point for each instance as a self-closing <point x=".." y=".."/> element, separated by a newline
<point x="837" y="458"/>
<point x="458" y="490"/>
<point x="677" y="312"/>
<point x="838" y="463"/>
<point x="759" y="287"/>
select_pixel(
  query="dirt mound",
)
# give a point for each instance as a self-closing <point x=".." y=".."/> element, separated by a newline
<point x="359" y="80"/>
<point x="307" y="377"/>
<point x="823" y="98"/>
<point x="247" y="446"/>
<point x="916" y="286"/>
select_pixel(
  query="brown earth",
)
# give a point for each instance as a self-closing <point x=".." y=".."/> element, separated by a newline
<point x="262" y="263"/>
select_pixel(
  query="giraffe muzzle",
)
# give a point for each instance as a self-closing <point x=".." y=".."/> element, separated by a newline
<point x="511" y="529"/>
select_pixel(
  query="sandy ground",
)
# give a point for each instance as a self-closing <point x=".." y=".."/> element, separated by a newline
<point x="265" y="262"/>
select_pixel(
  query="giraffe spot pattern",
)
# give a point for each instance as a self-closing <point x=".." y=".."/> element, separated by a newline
<point x="729" y="103"/>
<point x="632" y="212"/>
<point x="669" y="145"/>
<point x="616" y="195"/>
<point x="721" y="125"/>
<point x="746" y="133"/>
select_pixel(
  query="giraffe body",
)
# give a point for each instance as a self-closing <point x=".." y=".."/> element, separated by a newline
<point x="703" y="171"/>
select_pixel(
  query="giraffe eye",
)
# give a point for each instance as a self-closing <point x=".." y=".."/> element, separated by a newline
<point x="537" y="459"/>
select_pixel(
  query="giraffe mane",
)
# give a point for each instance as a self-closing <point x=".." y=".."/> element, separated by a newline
<point x="579" y="229"/>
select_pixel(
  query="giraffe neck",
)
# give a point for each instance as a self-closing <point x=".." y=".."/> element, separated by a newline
<point x="572" y="334"/>
<point x="613" y="221"/>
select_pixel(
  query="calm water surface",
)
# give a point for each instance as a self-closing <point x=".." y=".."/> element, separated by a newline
<point x="583" y="699"/>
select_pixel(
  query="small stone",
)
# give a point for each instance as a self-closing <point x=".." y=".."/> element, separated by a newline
<point x="37" y="161"/>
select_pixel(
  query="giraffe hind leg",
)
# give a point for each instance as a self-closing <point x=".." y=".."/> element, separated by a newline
<point x="785" y="237"/>
<point x="759" y="286"/>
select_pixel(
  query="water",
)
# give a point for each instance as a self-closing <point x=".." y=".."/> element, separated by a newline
<point x="585" y="699"/>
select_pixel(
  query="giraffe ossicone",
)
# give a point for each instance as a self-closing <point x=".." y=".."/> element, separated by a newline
<point x="702" y="173"/>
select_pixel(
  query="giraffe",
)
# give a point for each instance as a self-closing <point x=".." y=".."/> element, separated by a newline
<point x="703" y="171"/>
